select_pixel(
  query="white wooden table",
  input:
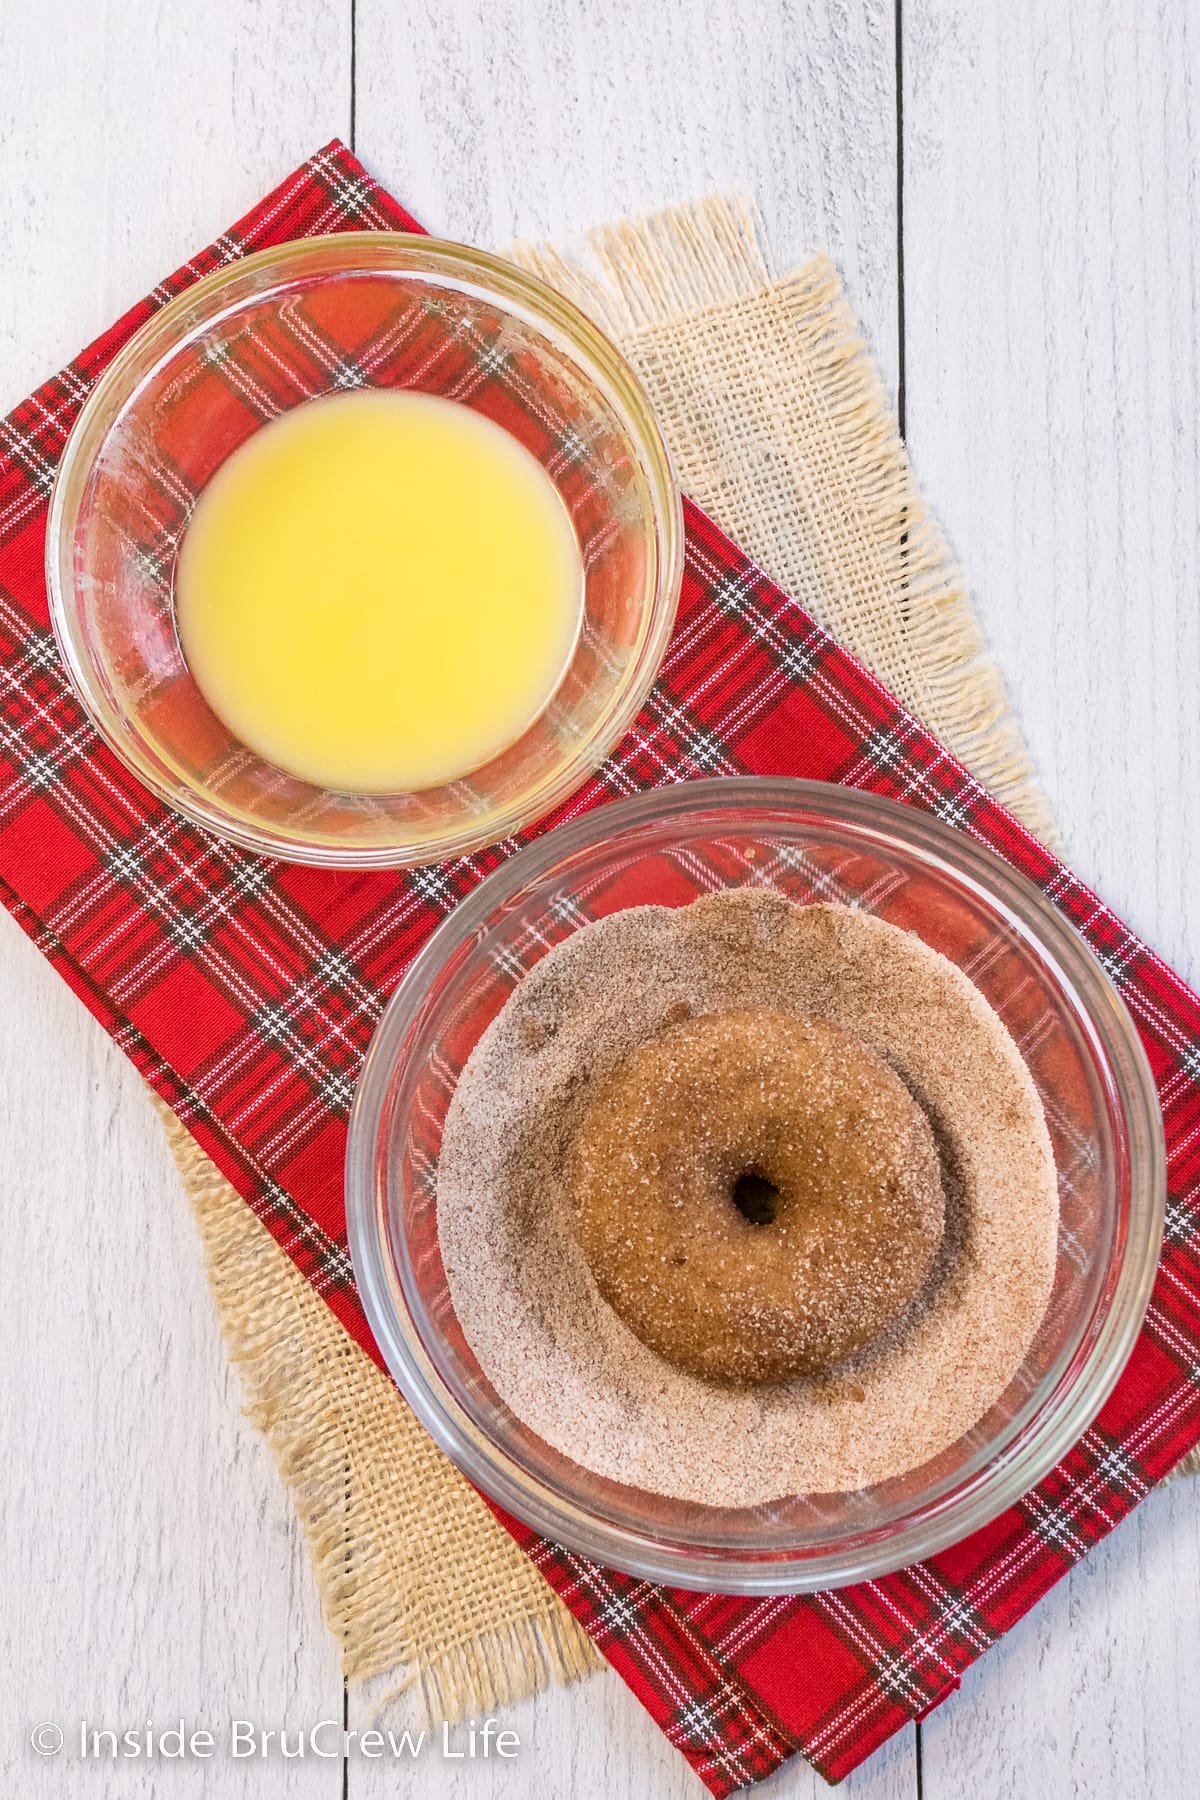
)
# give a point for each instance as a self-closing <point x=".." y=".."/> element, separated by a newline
<point x="1012" y="195"/>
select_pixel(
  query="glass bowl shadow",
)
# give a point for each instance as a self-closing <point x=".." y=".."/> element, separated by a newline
<point x="812" y="842"/>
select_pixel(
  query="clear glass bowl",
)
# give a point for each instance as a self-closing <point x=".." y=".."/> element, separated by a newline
<point x="810" y="841"/>
<point x="322" y="316"/>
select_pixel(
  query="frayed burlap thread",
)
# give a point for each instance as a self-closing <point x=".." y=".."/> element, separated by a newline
<point x="418" y="1581"/>
<point x="1189" y="1466"/>
<point x="781" y="429"/>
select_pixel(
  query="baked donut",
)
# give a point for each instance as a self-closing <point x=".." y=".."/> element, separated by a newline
<point x="758" y="1195"/>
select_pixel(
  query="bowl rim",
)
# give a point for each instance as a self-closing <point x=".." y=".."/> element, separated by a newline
<point x="455" y="265"/>
<point x="1111" y="1035"/>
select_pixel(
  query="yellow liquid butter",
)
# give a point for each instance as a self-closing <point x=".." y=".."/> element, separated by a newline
<point x="379" y="591"/>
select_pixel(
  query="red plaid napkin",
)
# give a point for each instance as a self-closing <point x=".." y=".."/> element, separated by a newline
<point x="247" y="991"/>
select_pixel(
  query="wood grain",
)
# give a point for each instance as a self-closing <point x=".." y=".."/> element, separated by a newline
<point x="539" y="118"/>
<point x="1052" y="162"/>
<point x="1053" y="389"/>
<point x="500" y="119"/>
<point x="1093" y="1693"/>
<point x="134" y="132"/>
<point x="1051" y="359"/>
<point x="152" y="1569"/>
<point x="152" y="1565"/>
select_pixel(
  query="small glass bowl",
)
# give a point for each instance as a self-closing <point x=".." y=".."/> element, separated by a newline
<point x="331" y="315"/>
<point x="812" y="842"/>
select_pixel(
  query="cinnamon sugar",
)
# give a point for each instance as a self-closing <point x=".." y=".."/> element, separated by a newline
<point x="559" y="1356"/>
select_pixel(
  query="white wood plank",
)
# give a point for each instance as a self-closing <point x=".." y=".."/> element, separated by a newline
<point x="498" y="119"/>
<point x="1053" y="390"/>
<point x="152" y="1566"/>
<point x="1056" y="160"/>
<point x="1093" y="1694"/>
<point x="1052" y="293"/>
<point x="133" y="132"/>
<point x="539" y="118"/>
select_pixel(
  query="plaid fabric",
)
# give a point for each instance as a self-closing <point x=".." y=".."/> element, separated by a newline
<point x="247" y="991"/>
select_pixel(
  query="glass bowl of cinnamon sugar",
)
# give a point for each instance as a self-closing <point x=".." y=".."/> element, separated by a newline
<point x="817" y="902"/>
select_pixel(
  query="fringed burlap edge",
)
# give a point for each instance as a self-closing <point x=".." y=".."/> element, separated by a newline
<point x="691" y="299"/>
<point x="419" y="1582"/>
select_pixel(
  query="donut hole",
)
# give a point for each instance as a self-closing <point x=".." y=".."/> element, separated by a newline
<point x="756" y="1198"/>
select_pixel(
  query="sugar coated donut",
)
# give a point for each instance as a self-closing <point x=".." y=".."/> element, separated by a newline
<point x="757" y="1194"/>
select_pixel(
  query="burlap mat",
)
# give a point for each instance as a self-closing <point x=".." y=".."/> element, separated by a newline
<point x="781" y="430"/>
